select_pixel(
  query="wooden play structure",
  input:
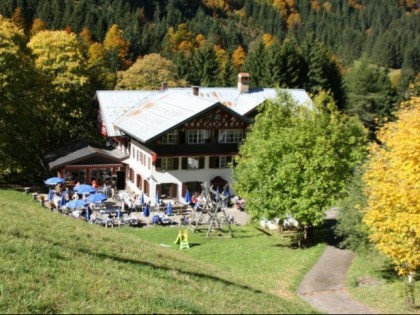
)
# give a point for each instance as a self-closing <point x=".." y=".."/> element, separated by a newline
<point x="209" y="212"/>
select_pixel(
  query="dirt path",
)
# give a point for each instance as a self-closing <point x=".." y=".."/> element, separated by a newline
<point x="324" y="285"/>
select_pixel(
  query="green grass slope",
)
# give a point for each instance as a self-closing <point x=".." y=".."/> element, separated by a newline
<point x="50" y="263"/>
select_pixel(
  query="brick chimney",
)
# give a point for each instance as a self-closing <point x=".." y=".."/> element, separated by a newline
<point x="164" y="86"/>
<point x="195" y="90"/>
<point x="243" y="82"/>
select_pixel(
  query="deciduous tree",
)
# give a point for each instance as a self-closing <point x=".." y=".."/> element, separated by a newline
<point x="148" y="73"/>
<point x="296" y="160"/>
<point x="59" y="59"/>
<point x="393" y="189"/>
<point x="20" y="90"/>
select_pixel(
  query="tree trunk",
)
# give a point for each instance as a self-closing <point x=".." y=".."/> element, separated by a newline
<point x="410" y="288"/>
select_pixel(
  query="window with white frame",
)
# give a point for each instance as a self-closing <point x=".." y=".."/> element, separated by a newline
<point x="170" y="138"/>
<point x="230" y="135"/>
<point x="197" y="136"/>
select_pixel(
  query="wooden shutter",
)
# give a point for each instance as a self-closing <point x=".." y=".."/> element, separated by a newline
<point x="201" y="162"/>
<point x="214" y="162"/>
<point x="184" y="163"/>
<point x="176" y="163"/>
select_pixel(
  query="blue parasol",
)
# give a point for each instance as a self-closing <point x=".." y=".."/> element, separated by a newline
<point x="142" y="199"/>
<point x="227" y="191"/>
<point x="87" y="214"/>
<point x="146" y="211"/>
<point x="97" y="198"/>
<point x="50" y="195"/>
<point x="187" y="197"/>
<point x="227" y="194"/>
<point x="169" y="209"/>
<point x="76" y="203"/>
<point x="84" y="189"/>
<point x="54" y="181"/>
<point x="157" y="199"/>
<point x="119" y="213"/>
<point x="63" y="199"/>
<point x="217" y="193"/>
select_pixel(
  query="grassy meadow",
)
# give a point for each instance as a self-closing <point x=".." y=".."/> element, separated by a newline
<point x="372" y="281"/>
<point x="50" y="263"/>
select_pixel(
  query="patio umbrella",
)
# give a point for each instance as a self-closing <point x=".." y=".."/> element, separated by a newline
<point x="157" y="198"/>
<point x="84" y="189"/>
<point x="227" y="191"/>
<point x="97" y="198"/>
<point x="63" y="199"/>
<point x="87" y="214"/>
<point x="50" y="195"/>
<point x="169" y="209"/>
<point x="187" y="197"/>
<point x="54" y="181"/>
<point x="217" y="194"/>
<point x="119" y="213"/>
<point x="157" y="201"/>
<point x="146" y="211"/>
<point x="76" y="203"/>
<point x="142" y="199"/>
<point x="227" y="194"/>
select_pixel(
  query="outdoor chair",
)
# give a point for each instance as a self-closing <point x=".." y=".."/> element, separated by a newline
<point x="130" y="220"/>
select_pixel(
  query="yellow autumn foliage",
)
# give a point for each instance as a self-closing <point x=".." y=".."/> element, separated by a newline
<point x="58" y="55"/>
<point x="393" y="189"/>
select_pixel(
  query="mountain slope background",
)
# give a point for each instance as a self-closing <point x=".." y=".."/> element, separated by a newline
<point x="387" y="31"/>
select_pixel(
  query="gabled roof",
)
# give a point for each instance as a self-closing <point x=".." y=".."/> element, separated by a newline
<point x="146" y="114"/>
<point x="69" y="155"/>
<point x="243" y="103"/>
<point x="164" y="111"/>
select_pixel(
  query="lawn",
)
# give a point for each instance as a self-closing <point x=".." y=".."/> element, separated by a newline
<point x="50" y="263"/>
<point x="372" y="281"/>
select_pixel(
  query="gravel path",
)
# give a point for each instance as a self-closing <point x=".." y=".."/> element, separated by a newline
<point x="324" y="285"/>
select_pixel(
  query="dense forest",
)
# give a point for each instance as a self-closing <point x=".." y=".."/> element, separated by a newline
<point x="387" y="31"/>
<point x="365" y="53"/>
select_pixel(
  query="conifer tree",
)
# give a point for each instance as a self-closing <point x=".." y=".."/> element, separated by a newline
<point x="370" y="94"/>
<point x="255" y="64"/>
<point x="206" y="68"/>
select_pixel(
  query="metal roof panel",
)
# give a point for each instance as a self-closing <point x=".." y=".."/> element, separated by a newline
<point x="161" y="112"/>
<point x="113" y="104"/>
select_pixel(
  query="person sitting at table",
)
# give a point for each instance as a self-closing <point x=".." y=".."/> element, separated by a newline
<point x="94" y="184"/>
<point x="194" y="200"/>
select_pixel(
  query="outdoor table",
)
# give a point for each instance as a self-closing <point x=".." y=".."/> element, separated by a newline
<point x="107" y="211"/>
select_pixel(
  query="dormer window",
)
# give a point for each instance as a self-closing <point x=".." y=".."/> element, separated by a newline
<point x="170" y="138"/>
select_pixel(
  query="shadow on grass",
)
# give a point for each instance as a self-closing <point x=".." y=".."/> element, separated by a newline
<point x="388" y="273"/>
<point x="319" y="235"/>
<point x="157" y="267"/>
<point x="154" y="266"/>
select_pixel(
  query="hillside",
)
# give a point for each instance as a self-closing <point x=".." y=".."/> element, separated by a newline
<point x="51" y="263"/>
<point x="388" y="31"/>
